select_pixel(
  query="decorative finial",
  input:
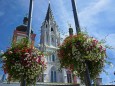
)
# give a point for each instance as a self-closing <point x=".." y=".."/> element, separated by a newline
<point x="25" y="20"/>
<point x="70" y="29"/>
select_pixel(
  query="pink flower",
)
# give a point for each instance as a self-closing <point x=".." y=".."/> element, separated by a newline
<point x="38" y="60"/>
<point x="100" y="48"/>
<point x="42" y="62"/>
<point x="104" y="49"/>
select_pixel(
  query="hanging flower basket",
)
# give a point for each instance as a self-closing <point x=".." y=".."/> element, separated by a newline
<point x="77" y="50"/>
<point x="23" y="62"/>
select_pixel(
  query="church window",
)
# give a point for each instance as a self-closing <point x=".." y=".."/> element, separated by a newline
<point x="47" y="37"/>
<point x="56" y="42"/>
<point x="52" y="40"/>
<point x="51" y="29"/>
<point x="53" y="76"/>
<point x="46" y="25"/>
<point x="49" y="58"/>
<point x="53" y="57"/>
<point x="69" y="79"/>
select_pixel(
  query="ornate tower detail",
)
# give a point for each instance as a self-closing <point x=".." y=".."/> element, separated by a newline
<point x="21" y="32"/>
<point x="49" y="41"/>
<point x="49" y="31"/>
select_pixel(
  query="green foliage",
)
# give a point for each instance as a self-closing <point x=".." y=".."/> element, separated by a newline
<point x="76" y="50"/>
<point x="23" y="61"/>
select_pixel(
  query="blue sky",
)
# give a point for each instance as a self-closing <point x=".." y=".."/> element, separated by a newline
<point x="97" y="16"/>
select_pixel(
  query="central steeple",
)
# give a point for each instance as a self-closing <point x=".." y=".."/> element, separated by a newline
<point x="49" y="15"/>
<point x="49" y="41"/>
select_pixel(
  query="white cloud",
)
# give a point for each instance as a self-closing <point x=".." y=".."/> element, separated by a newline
<point x="87" y="15"/>
<point x="64" y="15"/>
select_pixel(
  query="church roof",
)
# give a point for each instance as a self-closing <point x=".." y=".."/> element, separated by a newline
<point x="23" y="27"/>
<point x="49" y="14"/>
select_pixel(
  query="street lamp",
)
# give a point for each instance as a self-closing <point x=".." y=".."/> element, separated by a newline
<point x="75" y="16"/>
<point x="30" y="19"/>
<point x="23" y="81"/>
<point x="87" y="75"/>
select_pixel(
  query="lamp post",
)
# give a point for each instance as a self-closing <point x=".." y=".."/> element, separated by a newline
<point x="87" y="75"/>
<point x="75" y="16"/>
<point x="30" y="19"/>
<point x="23" y="81"/>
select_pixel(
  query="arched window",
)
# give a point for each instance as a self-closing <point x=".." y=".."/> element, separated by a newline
<point x="52" y="40"/>
<point x="47" y="37"/>
<point x="53" y="75"/>
<point x="52" y="29"/>
<point x="46" y="25"/>
<point x="69" y="77"/>
<point x="53" y="57"/>
<point x="49" y="58"/>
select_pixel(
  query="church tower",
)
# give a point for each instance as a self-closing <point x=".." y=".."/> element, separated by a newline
<point x="49" y="31"/>
<point x="21" y="32"/>
<point x="49" y="41"/>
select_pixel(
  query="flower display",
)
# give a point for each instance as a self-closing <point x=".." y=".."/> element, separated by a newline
<point x="77" y="50"/>
<point x="21" y="61"/>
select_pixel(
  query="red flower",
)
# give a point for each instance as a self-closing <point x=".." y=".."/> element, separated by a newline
<point x="100" y="48"/>
<point x="42" y="62"/>
<point x="38" y="60"/>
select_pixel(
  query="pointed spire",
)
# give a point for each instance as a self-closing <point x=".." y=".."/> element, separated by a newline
<point x="49" y="13"/>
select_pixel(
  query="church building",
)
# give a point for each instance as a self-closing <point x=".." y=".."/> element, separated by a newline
<point x="49" y="41"/>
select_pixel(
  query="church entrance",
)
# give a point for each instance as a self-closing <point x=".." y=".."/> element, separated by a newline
<point x="69" y="77"/>
<point x="53" y="74"/>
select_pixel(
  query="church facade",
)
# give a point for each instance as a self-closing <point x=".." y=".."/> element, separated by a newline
<point x="49" y="41"/>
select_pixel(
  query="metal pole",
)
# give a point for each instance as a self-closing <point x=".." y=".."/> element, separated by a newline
<point x="75" y="16"/>
<point x="30" y="19"/>
<point x="23" y="81"/>
<point x="87" y="75"/>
